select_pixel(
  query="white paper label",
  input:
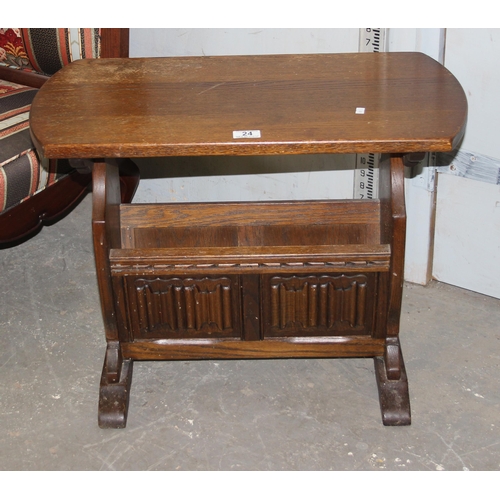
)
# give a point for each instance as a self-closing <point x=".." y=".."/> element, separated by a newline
<point x="246" y="134"/>
<point x="360" y="111"/>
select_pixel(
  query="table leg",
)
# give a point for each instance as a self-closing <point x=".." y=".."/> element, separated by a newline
<point x="389" y="369"/>
<point x="393" y="394"/>
<point x="117" y="372"/>
<point x="114" y="391"/>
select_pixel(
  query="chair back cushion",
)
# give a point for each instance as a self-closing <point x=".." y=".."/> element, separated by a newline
<point x="47" y="50"/>
<point x="22" y="172"/>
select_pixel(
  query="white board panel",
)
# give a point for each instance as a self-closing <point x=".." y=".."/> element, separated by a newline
<point x="467" y="236"/>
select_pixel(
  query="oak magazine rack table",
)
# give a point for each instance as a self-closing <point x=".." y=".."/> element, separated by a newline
<point x="234" y="280"/>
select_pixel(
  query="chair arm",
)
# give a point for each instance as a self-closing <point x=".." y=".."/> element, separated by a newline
<point x="23" y="77"/>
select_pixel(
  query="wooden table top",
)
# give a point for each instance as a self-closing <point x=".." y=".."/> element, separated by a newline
<point x="183" y="106"/>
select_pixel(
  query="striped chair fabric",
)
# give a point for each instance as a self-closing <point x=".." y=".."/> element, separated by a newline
<point x="42" y="50"/>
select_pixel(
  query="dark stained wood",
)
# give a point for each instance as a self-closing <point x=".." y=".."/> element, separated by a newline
<point x="129" y="179"/>
<point x="320" y="213"/>
<point x="245" y="260"/>
<point x="300" y="103"/>
<point x="106" y="235"/>
<point x="31" y="79"/>
<point x="114" y="389"/>
<point x="318" y="305"/>
<point x="251" y="280"/>
<point x="313" y="347"/>
<point x="393" y="394"/>
<point x="250" y="224"/>
<point x="114" y="42"/>
<point x="251" y="307"/>
<point x="393" y="230"/>
<point x="47" y="207"/>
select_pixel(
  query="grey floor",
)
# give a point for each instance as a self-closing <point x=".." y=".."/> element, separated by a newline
<point x="233" y="415"/>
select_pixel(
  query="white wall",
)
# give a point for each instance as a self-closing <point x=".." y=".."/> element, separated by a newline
<point x="157" y="42"/>
<point x="473" y="56"/>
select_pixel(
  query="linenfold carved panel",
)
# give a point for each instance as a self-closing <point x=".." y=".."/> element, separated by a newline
<point x="176" y="307"/>
<point x="323" y="304"/>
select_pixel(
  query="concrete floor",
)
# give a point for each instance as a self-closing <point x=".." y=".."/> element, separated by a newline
<point x="233" y="415"/>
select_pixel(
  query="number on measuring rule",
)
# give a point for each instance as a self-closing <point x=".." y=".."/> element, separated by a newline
<point x="366" y="176"/>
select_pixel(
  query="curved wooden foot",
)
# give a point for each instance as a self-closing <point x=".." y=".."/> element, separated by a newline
<point x="114" y="391"/>
<point x="393" y="394"/>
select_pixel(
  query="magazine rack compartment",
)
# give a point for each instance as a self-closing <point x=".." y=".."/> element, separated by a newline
<point x="181" y="267"/>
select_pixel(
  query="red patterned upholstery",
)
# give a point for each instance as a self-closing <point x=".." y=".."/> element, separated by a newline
<point x="12" y="50"/>
<point x="45" y="51"/>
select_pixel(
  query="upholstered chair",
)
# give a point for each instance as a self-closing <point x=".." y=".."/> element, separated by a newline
<point x="33" y="190"/>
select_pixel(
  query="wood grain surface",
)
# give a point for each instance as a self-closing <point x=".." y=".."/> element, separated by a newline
<point x="148" y="107"/>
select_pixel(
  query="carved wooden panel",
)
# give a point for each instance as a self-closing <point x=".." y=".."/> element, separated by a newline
<point x="164" y="307"/>
<point x="319" y="304"/>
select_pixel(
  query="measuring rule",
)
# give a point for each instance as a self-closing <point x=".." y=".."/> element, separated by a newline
<point x="366" y="168"/>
